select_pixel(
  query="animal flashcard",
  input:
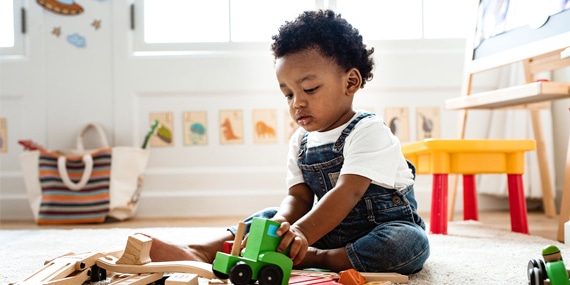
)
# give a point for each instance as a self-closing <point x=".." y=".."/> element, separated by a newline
<point x="165" y="120"/>
<point x="398" y="120"/>
<point x="195" y="128"/>
<point x="427" y="122"/>
<point x="264" y="126"/>
<point x="231" y="127"/>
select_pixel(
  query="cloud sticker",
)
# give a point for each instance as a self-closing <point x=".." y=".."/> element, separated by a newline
<point x="76" y="40"/>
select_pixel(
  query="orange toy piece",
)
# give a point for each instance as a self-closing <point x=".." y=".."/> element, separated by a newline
<point x="351" y="277"/>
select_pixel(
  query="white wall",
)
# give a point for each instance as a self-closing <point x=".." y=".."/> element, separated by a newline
<point x="57" y="88"/>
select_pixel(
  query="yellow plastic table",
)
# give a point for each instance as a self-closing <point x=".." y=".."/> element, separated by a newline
<point x="468" y="157"/>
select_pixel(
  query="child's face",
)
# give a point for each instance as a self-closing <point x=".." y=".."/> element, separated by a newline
<point x="318" y="91"/>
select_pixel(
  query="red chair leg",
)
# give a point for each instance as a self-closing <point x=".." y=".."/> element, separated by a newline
<point x="438" y="215"/>
<point x="517" y="204"/>
<point x="469" y="198"/>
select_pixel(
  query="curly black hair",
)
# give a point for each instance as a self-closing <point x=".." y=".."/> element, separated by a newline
<point x="331" y="34"/>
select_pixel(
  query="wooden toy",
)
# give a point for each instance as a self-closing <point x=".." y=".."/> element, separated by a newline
<point x="550" y="271"/>
<point x="69" y="269"/>
<point x="137" y="250"/>
<point x="182" y="279"/>
<point x="259" y="260"/>
<point x="202" y="269"/>
<point x="351" y="277"/>
<point x="135" y="279"/>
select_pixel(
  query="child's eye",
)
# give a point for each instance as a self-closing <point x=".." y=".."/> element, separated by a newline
<point x="288" y="96"/>
<point x="311" y="90"/>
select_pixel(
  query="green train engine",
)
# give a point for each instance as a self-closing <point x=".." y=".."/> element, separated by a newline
<point x="259" y="260"/>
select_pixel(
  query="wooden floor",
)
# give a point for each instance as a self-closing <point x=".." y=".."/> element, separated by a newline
<point x="539" y="224"/>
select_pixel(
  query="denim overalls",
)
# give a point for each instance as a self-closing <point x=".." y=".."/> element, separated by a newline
<point x="383" y="232"/>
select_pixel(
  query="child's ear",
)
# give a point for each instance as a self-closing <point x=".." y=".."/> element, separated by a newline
<point x="354" y="80"/>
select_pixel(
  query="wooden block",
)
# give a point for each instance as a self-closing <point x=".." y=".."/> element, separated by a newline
<point x="182" y="279"/>
<point x="389" y="276"/>
<point x="136" y="279"/>
<point x="228" y="245"/>
<point x="137" y="250"/>
<point x="351" y="277"/>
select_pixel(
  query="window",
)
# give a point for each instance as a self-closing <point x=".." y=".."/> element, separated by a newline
<point x="11" y="36"/>
<point x="214" y="25"/>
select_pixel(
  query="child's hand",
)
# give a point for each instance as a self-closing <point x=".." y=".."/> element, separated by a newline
<point x="293" y="237"/>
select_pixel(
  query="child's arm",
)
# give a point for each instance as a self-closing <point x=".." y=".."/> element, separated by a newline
<point x="325" y="216"/>
<point x="297" y="203"/>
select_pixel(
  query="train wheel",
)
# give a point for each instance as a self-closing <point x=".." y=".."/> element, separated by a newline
<point x="240" y="273"/>
<point x="270" y="275"/>
<point x="220" y="274"/>
<point x="536" y="272"/>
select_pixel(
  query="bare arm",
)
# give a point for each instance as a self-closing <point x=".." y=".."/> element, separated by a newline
<point x="297" y="203"/>
<point x="324" y="217"/>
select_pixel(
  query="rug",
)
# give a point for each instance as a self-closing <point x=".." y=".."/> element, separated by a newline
<point x="470" y="254"/>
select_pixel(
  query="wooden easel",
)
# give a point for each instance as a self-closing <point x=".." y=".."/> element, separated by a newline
<point x="536" y="56"/>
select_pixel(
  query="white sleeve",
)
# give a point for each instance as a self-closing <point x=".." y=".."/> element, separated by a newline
<point x="372" y="151"/>
<point x="294" y="174"/>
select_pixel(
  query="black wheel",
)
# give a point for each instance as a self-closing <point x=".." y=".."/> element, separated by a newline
<point x="270" y="275"/>
<point x="536" y="271"/>
<point x="219" y="274"/>
<point x="98" y="274"/>
<point x="240" y="273"/>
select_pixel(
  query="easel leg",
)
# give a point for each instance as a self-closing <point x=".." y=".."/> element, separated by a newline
<point x="565" y="203"/>
<point x="546" y="185"/>
<point x="462" y="121"/>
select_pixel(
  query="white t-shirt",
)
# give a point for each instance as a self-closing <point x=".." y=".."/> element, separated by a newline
<point x="370" y="150"/>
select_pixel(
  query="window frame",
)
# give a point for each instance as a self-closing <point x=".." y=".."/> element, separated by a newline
<point x="141" y="48"/>
<point x="19" y="48"/>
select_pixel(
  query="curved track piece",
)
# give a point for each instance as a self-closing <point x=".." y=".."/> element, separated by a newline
<point x="201" y="269"/>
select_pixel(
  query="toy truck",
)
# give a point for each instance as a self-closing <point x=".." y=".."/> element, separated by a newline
<point x="258" y="261"/>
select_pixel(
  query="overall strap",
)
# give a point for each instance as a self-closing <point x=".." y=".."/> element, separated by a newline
<point x="339" y="144"/>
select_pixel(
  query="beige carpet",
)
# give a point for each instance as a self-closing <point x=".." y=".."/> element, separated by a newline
<point x="470" y="254"/>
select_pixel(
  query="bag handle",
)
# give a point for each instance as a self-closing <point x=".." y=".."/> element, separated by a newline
<point x="100" y="132"/>
<point x="88" y="160"/>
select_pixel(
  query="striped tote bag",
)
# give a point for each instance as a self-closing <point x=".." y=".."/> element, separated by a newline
<point x="84" y="186"/>
<point x="77" y="194"/>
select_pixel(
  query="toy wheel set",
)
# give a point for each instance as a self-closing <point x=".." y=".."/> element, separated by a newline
<point x="551" y="270"/>
<point x="536" y="272"/>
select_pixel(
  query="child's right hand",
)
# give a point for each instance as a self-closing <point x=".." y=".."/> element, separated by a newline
<point x="292" y="237"/>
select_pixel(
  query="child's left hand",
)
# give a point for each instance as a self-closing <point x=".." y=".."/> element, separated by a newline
<point x="293" y="237"/>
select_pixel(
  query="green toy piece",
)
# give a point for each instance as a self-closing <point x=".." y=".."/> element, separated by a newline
<point x="161" y="131"/>
<point x="552" y="268"/>
<point x="259" y="260"/>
